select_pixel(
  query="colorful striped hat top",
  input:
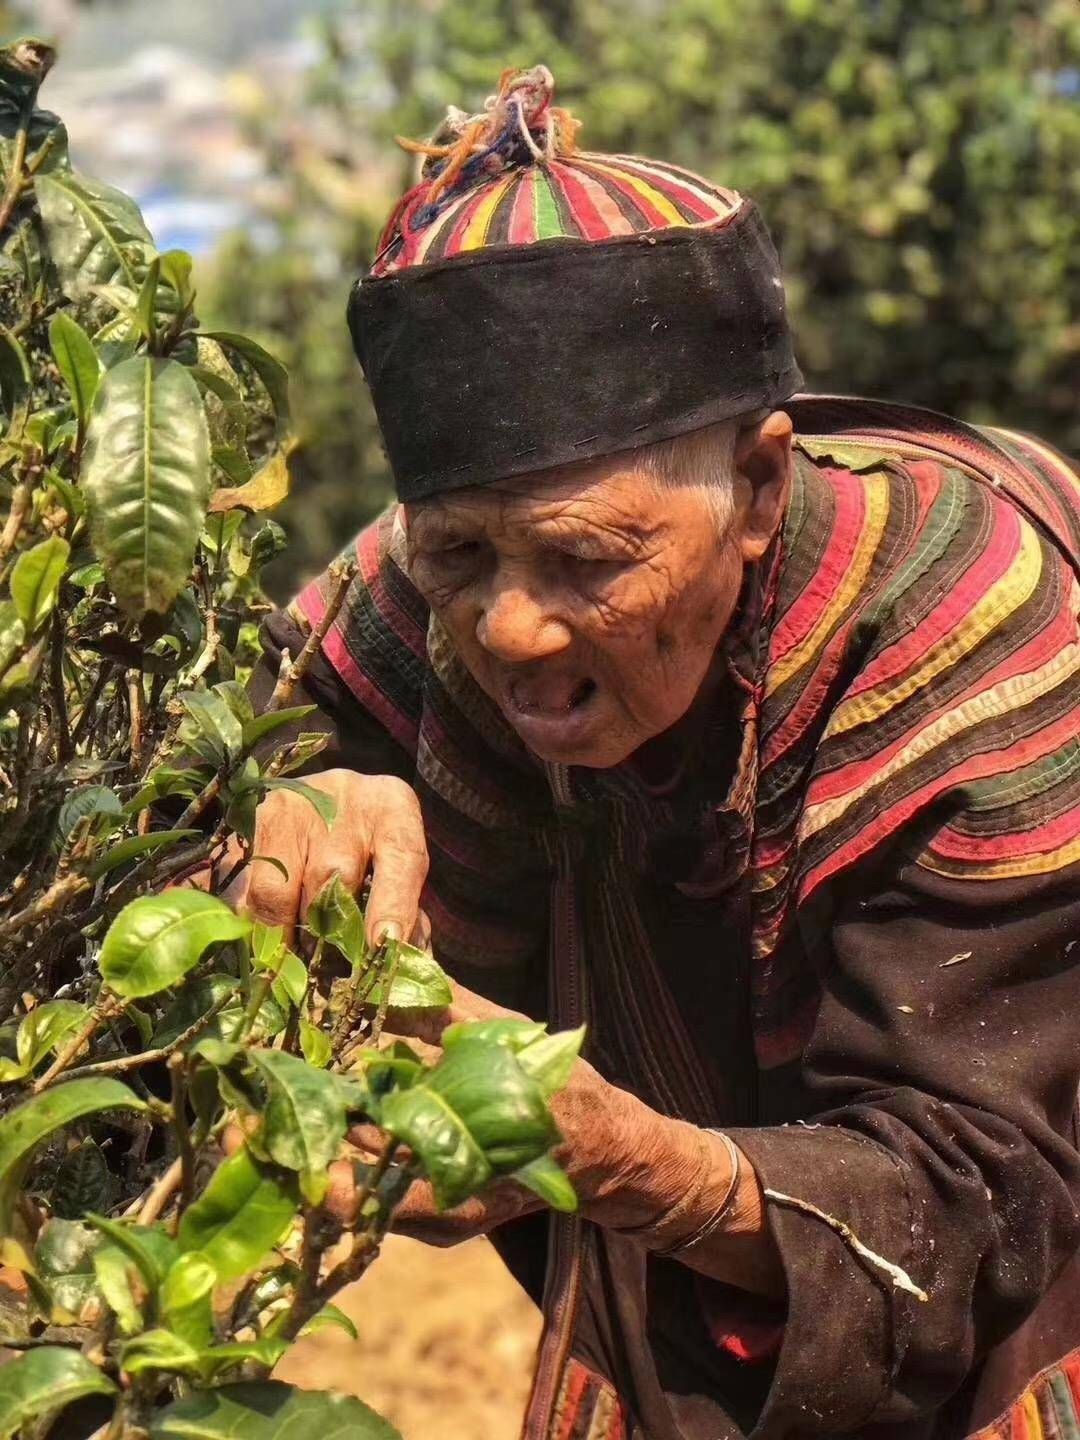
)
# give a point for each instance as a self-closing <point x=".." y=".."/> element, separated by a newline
<point x="512" y="175"/>
<point x="533" y="305"/>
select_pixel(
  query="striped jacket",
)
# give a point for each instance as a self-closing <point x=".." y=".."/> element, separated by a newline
<point x="877" y="870"/>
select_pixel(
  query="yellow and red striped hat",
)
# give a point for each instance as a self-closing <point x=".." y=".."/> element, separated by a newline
<point x="513" y="175"/>
<point x="532" y="305"/>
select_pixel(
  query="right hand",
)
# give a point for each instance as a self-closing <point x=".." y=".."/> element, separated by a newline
<point x="378" y="827"/>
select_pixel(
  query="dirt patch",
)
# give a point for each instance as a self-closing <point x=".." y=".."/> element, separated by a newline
<point x="446" y="1348"/>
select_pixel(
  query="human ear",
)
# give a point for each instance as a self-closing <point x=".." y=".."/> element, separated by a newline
<point x="763" y="464"/>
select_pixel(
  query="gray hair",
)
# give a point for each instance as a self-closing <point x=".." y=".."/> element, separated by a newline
<point x="703" y="458"/>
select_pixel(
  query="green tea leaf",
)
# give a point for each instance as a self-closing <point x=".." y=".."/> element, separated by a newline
<point x="186" y="1299"/>
<point x="64" y="1256"/>
<point x="266" y="724"/>
<point x="419" y="981"/>
<point x="158" y="1350"/>
<point x="157" y="939"/>
<point x="111" y="1265"/>
<point x="86" y="800"/>
<point x="146" y="476"/>
<point x="96" y="235"/>
<point x="271" y="372"/>
<point x="77" y="361"/>
<point x="550" y="1059"/>
<point x="125" y="850"/>
<point x="334" y="916"/>
<point x="268" y="1410"/>
<point x="146" y="305"/>
<point x="152" y="1250"/>
<point x="212" y="730"/>
<point x="330" y="1315"/>
<point x="176" y="272"/>
<point x="12" y="634"/>
<point x="243" y="1212"/>
<point x="315" y="1044"/>
<point x="23" y="1128"/>
<point x="514" y="1034"/>
<point x="45" y="1027"/>
<point x="83" y="1182"/>
<point x="304" y="1119"/>
<point x="546" y="1178"/>
<point x="14" y="372"/>
<point x="323" y="803"/>
<point x="35" y="580"/>
<point x="473" y="1114"/>
<point x="43" y="1381"/>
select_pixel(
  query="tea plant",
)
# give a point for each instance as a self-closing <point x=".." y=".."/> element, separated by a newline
<point x="177" y="1080"/>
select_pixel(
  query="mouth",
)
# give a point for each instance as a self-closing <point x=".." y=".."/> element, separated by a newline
<point x="559" y="697"/>
<point x="552" y="712"/>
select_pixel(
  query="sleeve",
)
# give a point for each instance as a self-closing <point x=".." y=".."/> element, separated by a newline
<point x="366" y="677"/>
<point x="943" y="1067"/>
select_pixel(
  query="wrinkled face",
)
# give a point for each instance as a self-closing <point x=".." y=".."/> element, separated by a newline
<point x="588" y="607"/>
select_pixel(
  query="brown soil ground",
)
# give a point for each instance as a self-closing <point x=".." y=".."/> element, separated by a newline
<point x="446" y="1348"/>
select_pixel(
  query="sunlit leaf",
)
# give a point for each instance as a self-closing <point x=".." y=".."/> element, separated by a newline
<point x="268" y="1410"/>
<point x="43" y="1381"/>
<point x="111" y="1266"/>
<point x="266" y="488"/>
<point x="47" y="1025"/>
<point x="418" y="980"/>
<point x="243" y="1212"/>
<point x="270" y="371"/>
<point x="546" y="1178"/>
<point x="266" y="724"/>
<point x="157" y="939"/>
<point x="152" y="1250"/>
<point x="35" y="580"/>
<point x="77" y="361"/>
<point x="95" y="233"/>
<point x="186" y="1299"/>
<point x="147" y="478"/>
<point x="550" y="1059"/>
<point x="334" y="915"/>
<point x="330" y="1316"/>
<point x="315" y="1045"/>
<point x="135" y="845"/>
<point x="23" y="1128"/>
<point x="304" y="1119"/>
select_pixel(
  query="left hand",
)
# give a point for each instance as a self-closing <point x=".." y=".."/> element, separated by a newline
<point x="626" y="1162"/>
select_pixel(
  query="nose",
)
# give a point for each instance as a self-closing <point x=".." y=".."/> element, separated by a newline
<point x="516" y="627"/>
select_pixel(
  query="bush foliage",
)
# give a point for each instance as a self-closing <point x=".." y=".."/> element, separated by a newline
<point x="148" y="1278"/>
<point x="915" y="160"/>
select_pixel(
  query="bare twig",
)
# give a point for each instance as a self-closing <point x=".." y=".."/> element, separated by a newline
<point x="20" y="506"/>
<point x="120" y="1063"/>
<point x="178" y="1076"/>
<point x="57" y="694"/>
<point x="899" y="1278"/>
<point x="55" y="899"/>
<point x="341" y="575"/>
<point x="161" y="1194"/>
<point x="105" y="1009"/>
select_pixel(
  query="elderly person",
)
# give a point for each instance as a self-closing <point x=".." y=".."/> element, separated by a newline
<point x="748" y="736"/>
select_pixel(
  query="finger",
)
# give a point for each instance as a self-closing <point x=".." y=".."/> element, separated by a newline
<point x="336" y="852"/>
<point x="421" y="934"/>
<point x="272" y="895"/>
<point x="341" y="1197"/>
<point x="400" y="862"/>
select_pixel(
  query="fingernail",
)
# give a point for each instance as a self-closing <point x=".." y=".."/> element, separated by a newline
<point x="384" y="933"/>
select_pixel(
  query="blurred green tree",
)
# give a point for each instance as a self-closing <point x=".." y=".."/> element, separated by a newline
<point x="917" y="161"/>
